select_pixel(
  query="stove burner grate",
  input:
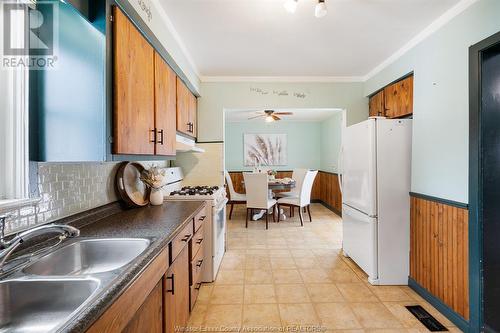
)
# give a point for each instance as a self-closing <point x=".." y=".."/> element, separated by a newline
<point x="196" y="190"/>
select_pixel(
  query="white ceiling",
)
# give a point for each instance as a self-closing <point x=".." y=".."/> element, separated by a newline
<point x="311" y="115"/>
<point x="259" y="38"/>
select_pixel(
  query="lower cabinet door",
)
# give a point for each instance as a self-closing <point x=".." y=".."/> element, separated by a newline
<point x="176" y="288"/>
<point x="149" y="317"/>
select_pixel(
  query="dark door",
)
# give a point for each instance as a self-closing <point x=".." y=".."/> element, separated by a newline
<point x="490" y="151"/>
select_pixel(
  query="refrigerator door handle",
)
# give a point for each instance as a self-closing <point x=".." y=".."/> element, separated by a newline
<point x="340" y="167"/>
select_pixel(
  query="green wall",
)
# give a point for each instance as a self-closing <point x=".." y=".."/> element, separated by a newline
<point x="330" y="142"/>
<point x="313" y="145"/>
<point x="215" y="97"/>
<point x="441" y="107"/>
<point x="303" y="143"/>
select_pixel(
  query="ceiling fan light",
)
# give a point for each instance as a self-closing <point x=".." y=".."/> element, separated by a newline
<point x="320" y="10"/>
<point x="269" y="119"/>
<point x="291" y="6"/>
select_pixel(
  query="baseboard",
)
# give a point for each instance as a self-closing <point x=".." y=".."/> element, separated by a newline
<point x="327" y="206"/>
<point x="439" y="305"/>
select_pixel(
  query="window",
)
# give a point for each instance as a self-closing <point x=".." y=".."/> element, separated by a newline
<point x="14" y="161"/>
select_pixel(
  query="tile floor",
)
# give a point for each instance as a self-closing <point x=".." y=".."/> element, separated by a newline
<point x="289" y="276"/>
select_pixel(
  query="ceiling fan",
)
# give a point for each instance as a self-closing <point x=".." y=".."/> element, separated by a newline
<point x="271" y="115"/>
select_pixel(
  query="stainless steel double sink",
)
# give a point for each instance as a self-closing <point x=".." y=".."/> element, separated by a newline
<point x="45" y="293"/>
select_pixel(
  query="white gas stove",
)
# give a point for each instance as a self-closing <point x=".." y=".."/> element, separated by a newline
<point x="215" y="231"/>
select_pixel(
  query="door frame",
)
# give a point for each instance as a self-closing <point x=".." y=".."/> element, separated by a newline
<point x="476" y="323"/>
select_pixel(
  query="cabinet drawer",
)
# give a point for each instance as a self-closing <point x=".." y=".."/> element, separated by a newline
<point x="181" y="240"/>
<point x="197" y="242"/>
<point x="196" y="268"/>
<point x="200" y="218"/>
<point x="195" y="290"/>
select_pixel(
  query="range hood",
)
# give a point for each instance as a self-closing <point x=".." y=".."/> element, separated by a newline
<point x="184" y="144"/>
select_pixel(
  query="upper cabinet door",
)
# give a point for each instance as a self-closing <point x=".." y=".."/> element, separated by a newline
<point x="185" y="122"/>
<point x="165" y="107"/>
<point x="377" y="104"/>
<point x="133" y="96"/>
<point x="399" y="98"/>
<point x="193" y="114"/>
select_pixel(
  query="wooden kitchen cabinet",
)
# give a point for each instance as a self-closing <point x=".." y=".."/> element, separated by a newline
<point x="176" y="292"/>
<point x="133" y="89"/>
<point x="394" y="100"/>
<point x="193" y="117"/>
<point x="132" y="308"/>
<point x="159" y="300"/>
<point x="165" y="107"/>
<point x="186" y="109"/>
<point x="398" y="98"/>
<point x="149" y="317"/>
<point x="197" y="255"/>
<point x="144" y="94"/>
<point x="377" y="105"/>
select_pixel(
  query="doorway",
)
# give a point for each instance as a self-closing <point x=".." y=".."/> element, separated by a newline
<point x="484" y="189"/>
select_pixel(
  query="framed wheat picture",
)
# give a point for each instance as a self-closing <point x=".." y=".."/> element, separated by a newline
<point x="265" y="149"/>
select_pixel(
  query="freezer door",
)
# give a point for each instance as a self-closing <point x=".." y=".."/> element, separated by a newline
<point x="359" y="182"/>
<point x="360" y="240"/>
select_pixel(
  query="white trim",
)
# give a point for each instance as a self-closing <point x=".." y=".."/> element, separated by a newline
<point x="321" y="79"/>
<point x="10" y="205"/>
<point x="14" y="168"/>
<point x="170" y="27"/>
<point x="429" y="30"/>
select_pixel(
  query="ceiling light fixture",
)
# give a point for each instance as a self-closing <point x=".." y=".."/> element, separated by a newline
<point x="269" y="119"/>
<point x="291" y="6"/>
<point x="320" y="10"/>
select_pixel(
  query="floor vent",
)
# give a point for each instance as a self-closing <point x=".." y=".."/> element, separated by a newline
<point x="425" y="318"/>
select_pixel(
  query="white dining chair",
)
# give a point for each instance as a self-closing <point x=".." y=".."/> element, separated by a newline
<point x="235" y="198"/>
<point x="258" y="195"/>
<point x="304" y="198"/>
<point x="298" y="176"/>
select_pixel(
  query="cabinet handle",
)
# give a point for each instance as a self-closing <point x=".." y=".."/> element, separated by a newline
<point x="200" y="262"/>
<point x="171" y="278"/>
<point x="199" y="241"/>
<point x="154" y="135"/>
<point x="189" y="127"/>
<point x="202" y="218"/>
<point x="161" y="137"/>
<point x="186" y="238"/>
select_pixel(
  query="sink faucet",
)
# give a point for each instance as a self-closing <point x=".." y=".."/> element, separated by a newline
<point x="7" y="247"/>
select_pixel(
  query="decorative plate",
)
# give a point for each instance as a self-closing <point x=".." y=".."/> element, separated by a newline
<point x="131" y="189"/>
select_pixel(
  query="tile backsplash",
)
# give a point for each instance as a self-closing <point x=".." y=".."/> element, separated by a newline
<point x="66" y="189"/>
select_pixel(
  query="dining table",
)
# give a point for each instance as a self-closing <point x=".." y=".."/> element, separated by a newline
<point x="275" y="184"/>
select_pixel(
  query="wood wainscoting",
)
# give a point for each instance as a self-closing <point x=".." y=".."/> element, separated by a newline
<point x="439" y="251"/>
<point x="326" y="189"/>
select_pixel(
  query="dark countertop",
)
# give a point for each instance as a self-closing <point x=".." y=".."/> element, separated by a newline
<point x="159" y="222"/>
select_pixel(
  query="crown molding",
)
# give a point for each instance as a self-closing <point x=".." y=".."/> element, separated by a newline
<point x="298" y="79"/>
<point x="170" y="27"/>
<point x="429" y="30"/>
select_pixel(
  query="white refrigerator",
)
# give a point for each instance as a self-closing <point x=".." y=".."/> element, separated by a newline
<point x="376" y="164"/>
